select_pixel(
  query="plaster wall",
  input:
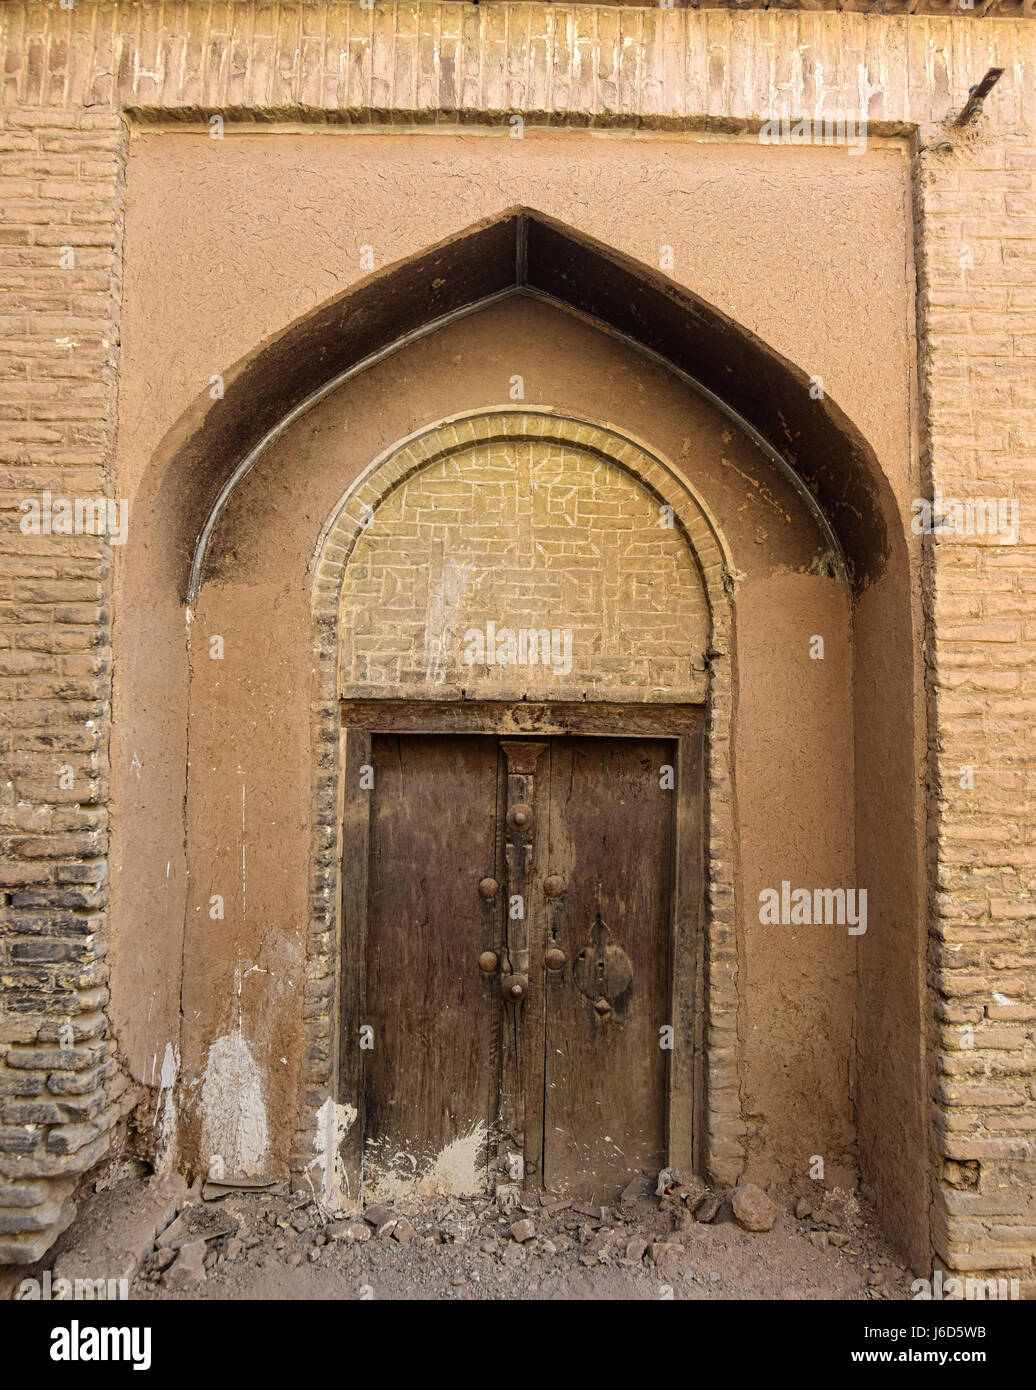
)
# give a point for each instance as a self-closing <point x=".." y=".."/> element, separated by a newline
<point x="249" y="723"/>
<point x="79" y="87"/>
<point x="201" y="234"/>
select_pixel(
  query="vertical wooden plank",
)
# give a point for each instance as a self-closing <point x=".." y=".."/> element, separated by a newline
<point x="355" y="810"/>
<point x="428" y="1076"/>
<point x="496" y="937"/>
<point x="683" y="1080"/>
<point x="521" y="1093"/>
<point x="611" y="829"/>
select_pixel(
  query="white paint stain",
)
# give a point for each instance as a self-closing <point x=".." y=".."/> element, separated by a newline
<point x="443" y="606"/>
<point x="166" y="1082"/>
<point x="333" y="1123"/>
<point x="457" y="1171"/>
<point x="866" y="89"/>
<point x="818" y="87"/>
<point x="233" y="1109"/>
<point x="244" y="874"/>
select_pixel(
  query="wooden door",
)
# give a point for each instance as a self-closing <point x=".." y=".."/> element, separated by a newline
<point x="517" y="962"/>
<point x="609" y="871"/>
<point x="431" y="1074"/>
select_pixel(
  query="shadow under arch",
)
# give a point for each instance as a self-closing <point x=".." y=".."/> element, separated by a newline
<point x="522" y="252"/>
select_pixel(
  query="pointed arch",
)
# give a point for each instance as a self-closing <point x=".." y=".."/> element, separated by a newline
<point x="522" y="252"/>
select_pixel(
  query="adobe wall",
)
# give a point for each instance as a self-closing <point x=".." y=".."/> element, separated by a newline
<point x="545" y="172"/>
<point x="203" y="231"/>
<point x="245" y="705"/>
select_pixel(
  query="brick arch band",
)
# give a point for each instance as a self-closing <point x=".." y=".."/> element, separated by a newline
<point x="323" y="1118"/>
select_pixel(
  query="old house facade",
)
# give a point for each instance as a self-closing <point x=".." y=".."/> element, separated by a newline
<point x="547" y="693"/>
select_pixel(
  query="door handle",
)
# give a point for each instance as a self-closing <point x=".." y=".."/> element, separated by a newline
<point x="603" y="972"/>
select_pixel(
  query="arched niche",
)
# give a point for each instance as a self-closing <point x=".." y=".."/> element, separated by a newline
<point x="809" y="444"/>
<point x="603" y="539"/>
<point x="541" y="519"/>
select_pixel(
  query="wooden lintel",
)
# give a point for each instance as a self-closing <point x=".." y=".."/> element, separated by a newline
<point x="517" y="718"/>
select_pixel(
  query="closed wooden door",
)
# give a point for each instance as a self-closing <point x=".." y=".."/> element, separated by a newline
<point x="432" y="1069"/>
<point x="518" y="962"/>
<point x="609" y="865"/>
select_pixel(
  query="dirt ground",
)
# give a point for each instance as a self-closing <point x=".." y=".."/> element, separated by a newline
<point x="281" y="1247"/>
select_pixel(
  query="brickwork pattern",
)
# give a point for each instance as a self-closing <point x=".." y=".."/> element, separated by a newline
<point x="60" y="182"/>
<point x="591" y="65"/>
<point x="977" y="214"/>
<point x="69" y="78"/>
<point x="539" y="536"/>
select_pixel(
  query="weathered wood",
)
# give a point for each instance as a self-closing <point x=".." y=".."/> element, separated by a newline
<point x="522" y="1075"/>
<point x="573" y="1079"/>
<point x="611" y="830"/>
<point x="590" y="719"/>
<point x="430" y="1078"/>
<point x="684" y="1062"/>
<point x="355" y="809"/>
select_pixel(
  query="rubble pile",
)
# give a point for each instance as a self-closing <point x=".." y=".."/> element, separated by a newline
<point x="658" y="1231"/>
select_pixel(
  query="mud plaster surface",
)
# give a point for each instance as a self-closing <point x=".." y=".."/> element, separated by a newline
<point x="805" y="247"/>
<point x="249" y="798"/>
<point x="202" y="238"/>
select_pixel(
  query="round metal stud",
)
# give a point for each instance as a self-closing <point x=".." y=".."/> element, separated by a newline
<point x="488" y="961"/>
<point x="488" y="888"/>
<point x="519" y="817"/>
<point x="554" y="958"/>
<point x="553" y="885"/>
<point x="514" y="988"/>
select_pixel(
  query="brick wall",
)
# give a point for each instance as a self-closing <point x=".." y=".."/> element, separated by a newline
<point x="977" y="232"/>
<point x="528" y="535"/>
<point x="70" y="78"/>
<point x="59" y="242"/>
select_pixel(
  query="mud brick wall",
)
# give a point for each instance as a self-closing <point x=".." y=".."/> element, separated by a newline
<point x="977" y="279"/>
<point x="71" y="84"/>
<point x="59" y="268"/>
<point x="545" y="536"/>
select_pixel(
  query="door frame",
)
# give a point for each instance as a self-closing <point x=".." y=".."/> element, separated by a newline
<point x="682" y="724"/>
